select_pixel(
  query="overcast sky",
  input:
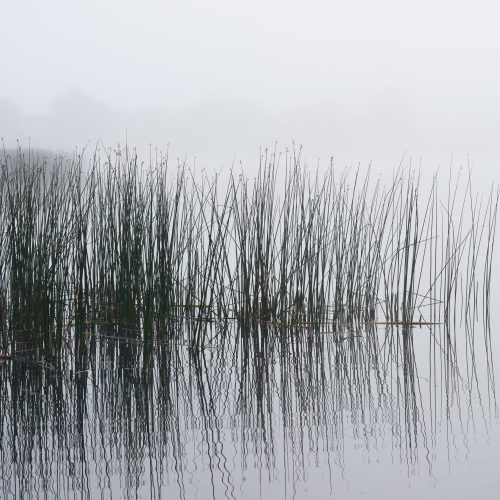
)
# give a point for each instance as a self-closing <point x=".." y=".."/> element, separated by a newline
<point x="216" y="80"/>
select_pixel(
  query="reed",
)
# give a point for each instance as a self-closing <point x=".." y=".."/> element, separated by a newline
<point x="159" y="253"/>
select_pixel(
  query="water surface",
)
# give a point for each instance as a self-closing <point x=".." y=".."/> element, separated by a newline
<point x="374" y="411"/>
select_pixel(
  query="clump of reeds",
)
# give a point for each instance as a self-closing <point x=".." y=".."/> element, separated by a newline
<point x="113" y="241"/>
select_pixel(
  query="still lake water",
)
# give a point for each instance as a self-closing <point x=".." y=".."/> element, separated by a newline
<point x="345" y="410"/>
<point x="371" y="412"/>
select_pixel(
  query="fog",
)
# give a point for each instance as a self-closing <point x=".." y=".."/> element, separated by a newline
<point x="214" y="82"/>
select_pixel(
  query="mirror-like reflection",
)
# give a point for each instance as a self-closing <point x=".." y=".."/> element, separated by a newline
<point x="259" y="411"/>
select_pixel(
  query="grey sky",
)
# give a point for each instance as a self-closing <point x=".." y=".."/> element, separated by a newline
<point x="360" y="80"/>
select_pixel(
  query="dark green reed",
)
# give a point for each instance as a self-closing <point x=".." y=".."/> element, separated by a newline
<point x="161" y="252"/>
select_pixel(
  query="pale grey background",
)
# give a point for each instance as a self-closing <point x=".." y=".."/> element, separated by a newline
<point x="215" y="81"/>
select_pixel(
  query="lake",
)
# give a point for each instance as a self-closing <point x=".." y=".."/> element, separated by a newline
<point x="320" y="337"/>
<point x="356" y="413"/>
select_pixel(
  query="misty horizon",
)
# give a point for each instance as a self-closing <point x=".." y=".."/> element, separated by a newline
<point x="216" y="83"/>
<point x="218" y="132"/>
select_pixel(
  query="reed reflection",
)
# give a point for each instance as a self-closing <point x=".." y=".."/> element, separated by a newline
<point x="257" y="406"/>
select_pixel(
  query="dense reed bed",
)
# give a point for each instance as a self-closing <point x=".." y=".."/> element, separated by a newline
<point x="163" y="251"/>
<point x="153" y="318"/>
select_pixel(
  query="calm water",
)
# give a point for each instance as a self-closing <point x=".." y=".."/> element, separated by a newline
<point x="373" y="412"/>
<point x="139" y="287"/>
